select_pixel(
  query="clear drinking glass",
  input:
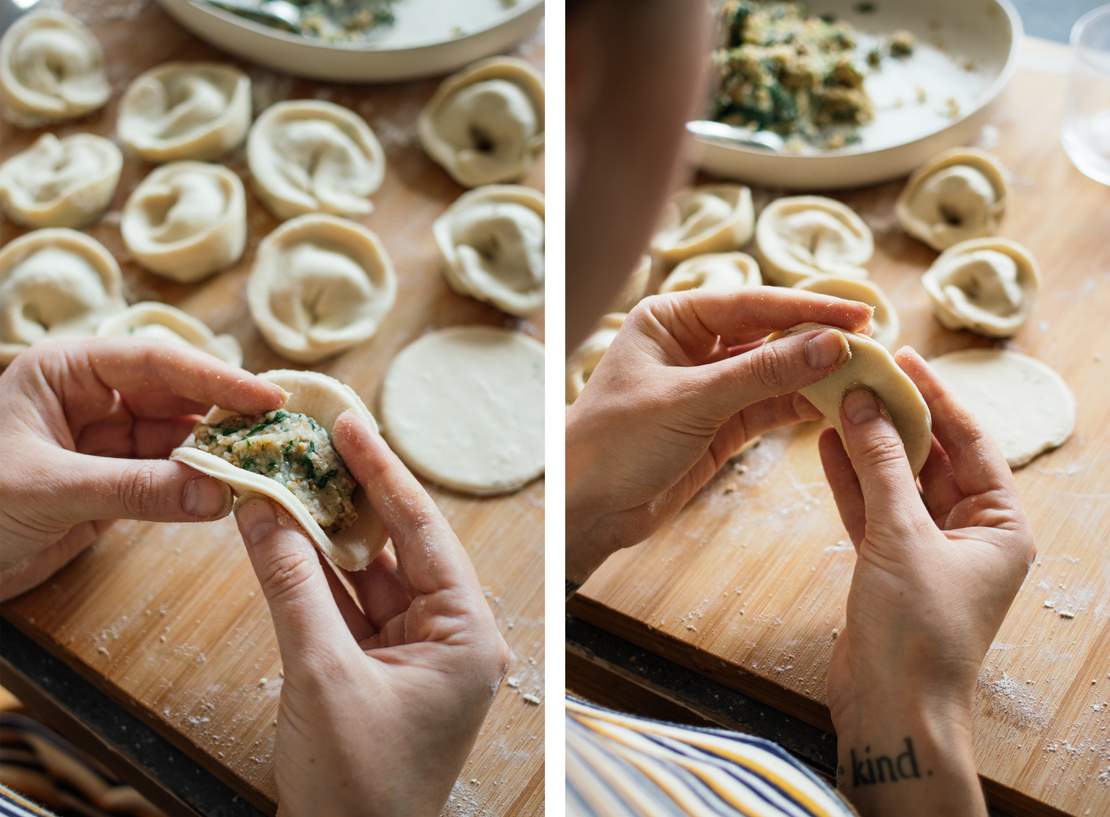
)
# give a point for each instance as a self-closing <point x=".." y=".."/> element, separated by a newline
<point x="1086" y="131"/>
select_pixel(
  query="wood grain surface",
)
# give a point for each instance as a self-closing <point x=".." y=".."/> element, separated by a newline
<point x="169" y="619"/>
<point x="748" y="584"/>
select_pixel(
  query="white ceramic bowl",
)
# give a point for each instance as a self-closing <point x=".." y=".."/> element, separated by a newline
<point x="425" y="41"/>
<point x="977" y="55"/>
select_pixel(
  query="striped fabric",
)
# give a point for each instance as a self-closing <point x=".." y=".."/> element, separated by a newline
<point x="623" y="766"/>
<point x="12" y="805"/>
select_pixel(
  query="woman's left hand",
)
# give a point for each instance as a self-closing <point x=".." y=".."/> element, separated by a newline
<point x="87" y="427"/>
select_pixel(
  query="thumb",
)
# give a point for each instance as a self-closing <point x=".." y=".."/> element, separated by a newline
<point x="771" y="369"/>
<point x="306" y="617"/>
<point x="99" y="488"/>
<point x="878" y="457"/>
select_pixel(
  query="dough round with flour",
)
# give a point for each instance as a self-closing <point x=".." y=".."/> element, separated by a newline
<point x="873" y="366"/>
<point x="712" y="218"/>
<point x="1022" y="403"/>
<point x="583" y="360"/>
<point x="959" y="195"/>
<point x="485" y="124"/>
<point x="885" y="325"/>
<point x="186" y="220"/>
<point x="322" y="398"/>
<point x="185" y="110"/>
<point x="492" y="243"/>
<point x="987" y="285"/>
<point x="319" y="285"/>
<point x="152" y="320"/>
<point x="309" y="156"/>
<point x="65" y="182"/>
<point x="51" y="69"/>
<point x="715" y="272"/>
<point x="464" y="407"/>
<point x="54" y="283"/>
<point x="799" y="237"/>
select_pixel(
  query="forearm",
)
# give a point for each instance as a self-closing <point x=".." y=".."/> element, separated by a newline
<point x="909" y="761"/>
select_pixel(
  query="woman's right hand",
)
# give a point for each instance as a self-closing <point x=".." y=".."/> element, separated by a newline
<point x="688" y="381"/>
<point x="935" y="573"/>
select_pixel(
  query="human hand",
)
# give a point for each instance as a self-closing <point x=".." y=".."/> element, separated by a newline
<point x="936" y="572"/>
<point x="688" y="381"/>
<point x="87" y="423"/>
<point x="382" y="698"/>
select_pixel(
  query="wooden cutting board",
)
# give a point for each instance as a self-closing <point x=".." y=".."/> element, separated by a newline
<point x="748" y="584"/>
<point x="168" y="619"/>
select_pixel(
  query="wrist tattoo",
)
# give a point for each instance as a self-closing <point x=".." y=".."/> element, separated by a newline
<point x="869" y="770"/>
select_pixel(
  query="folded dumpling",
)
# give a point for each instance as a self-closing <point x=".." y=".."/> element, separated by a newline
<point x="152" y="320"/>
<point x="708" y="219"/>
<point x="715" y="272"/>
<point x="583" y="360"/>
<point x="485" y="124"/>
<point x="798" y="237"/>
<point x="54" y="283"/>
<point x="885" y="324"/>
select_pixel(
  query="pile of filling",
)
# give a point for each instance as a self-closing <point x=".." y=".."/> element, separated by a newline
<point x="782" y="69"/>
<point x="292" y="449"/>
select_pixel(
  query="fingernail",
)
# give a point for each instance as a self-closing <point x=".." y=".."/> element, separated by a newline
<point x="826" y="349"/>
<point x="860" y="406"/>
<point x="256" y="517"/>
<point x="206" y="497"/>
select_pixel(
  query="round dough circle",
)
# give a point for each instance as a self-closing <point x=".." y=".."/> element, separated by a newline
<point x="492" y="243"/>
<point x="712" y="218"/>
<point x="958" y="195"/>
<point x="308" y="156"/>
<point x="54" y="283"/>
<point x="464" y="408"/>
<point x="186" y="220"/>
<point x="319" y="285"/>
<point x="798" y="237"/>
<point x="65" y="182"/>
<point x="583" y="360"/>
<point x="1022" y="403"/>
<point x="185" y="110"/>
<point x="51" y="69"/>
<point x="985" y="285"/>
<point x="485" y="124"/>
<point x="885" y="325"/>
<point x="322" y="398"/>
<point x="871" y="365"/>
<point x="158" y="321"/>
<point x="715" y="272"/>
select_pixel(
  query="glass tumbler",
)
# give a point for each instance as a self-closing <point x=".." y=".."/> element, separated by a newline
<point x="1086" y="130"/>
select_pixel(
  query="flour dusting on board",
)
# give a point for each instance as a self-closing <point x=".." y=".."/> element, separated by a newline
<point x="1011" y="700"/>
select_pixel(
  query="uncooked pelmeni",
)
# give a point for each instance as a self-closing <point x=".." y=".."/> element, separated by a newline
<point x="151" y="320"/>
<point x="492" y="244"/>
<point x="583" y="360"/>
<point x="715" y="272"/>
<point x="323" y="399"/>
<point x="958" y="195"/>
<point x="54" y="283"/>
<point x="872" y="366"/>
<point x="186" y="220"/>
<point x="1022" y="403"/>
<point x="885" y="325"/>
<point x="636" y="287"/>
<point x="65" y="182"/>
<point x="464" y="407"/>
<point x="319" y="285"/>
<point x="51" y="69"/>
<point x="185" y="110"/>
<point x="801" y="236"/>
<point x="708" y="219"/>
<point x="987" y="285"/>
<point x="309" y="156"/>
<point x="485" y="124"/>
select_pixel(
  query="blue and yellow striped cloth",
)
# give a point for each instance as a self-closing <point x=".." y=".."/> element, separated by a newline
<point x="624" y="766"/>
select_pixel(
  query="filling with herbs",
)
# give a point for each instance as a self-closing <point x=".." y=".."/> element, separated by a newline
<point x="292" y="449"/>
<point x="780" y="68"/>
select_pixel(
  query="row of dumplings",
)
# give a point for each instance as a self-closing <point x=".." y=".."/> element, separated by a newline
<point x="320" y="283"/>
<point x="954" y="203"/>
